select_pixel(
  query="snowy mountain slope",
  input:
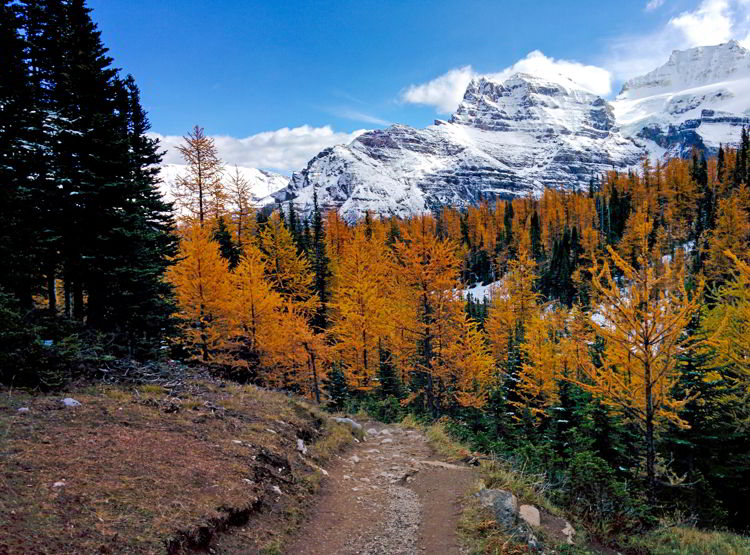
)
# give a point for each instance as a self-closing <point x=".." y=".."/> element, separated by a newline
<point x="262" y="183"/>
<point x="505" y="139"/>
<point x="523" y="134"/>
<point x="699" y="98"/>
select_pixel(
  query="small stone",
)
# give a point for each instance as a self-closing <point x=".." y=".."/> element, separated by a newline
<point x="386" y="440"/>
<point x="277" y="490"/>
<point x="569" y="532"/>
<point x="70" y="402"/>
<point x="237" y="441"/>
<point x="23" y="409"/>
<point x="372" y="432"/>
<point x="301" y="447"/>
<point x="347" y="477"/>
<point x="355" y="459"/>
<point x="271" y="431"/>
<point x="530" y="514"/>
<point x="349" y="422"/>
<point x="60" y="484"/>
<point x="386" y="432"/>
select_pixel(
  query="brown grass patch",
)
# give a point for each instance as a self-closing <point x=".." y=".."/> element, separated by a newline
<point x="140" y="471"/>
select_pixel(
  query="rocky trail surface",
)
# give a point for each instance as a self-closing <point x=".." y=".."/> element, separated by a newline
<point x="389" y="494"/>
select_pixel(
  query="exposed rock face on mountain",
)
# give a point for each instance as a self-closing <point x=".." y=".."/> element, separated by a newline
<point x="526" y="133"/>
<point x="698" y="99"/>
<point x="505" y="139"/>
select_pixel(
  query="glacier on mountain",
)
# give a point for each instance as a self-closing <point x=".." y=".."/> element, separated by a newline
<point x="698" y="99"/>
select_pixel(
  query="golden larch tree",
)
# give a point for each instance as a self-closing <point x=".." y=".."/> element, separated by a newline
<point x="360" y="309"/>
<point x="199" y="192"/>
<point x="643" y="326"/>
<point x="202" y="286"/>
<point x="429" y="270"/>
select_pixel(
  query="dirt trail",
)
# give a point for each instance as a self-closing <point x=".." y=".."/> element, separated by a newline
<point x="388" y="495"/>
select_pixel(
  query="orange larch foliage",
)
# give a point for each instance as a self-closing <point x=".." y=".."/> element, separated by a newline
<point x="202" y="287"/>
<point x="360" y="319"/>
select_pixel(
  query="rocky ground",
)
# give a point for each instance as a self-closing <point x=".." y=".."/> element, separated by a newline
<point x="388" y="494"/>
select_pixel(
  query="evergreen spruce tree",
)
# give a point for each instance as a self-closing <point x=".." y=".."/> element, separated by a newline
<point x="228" y="249"/>
<point x="19" y="208"/>
<point x="320" y="266"/>
<point x="337" y="388"/>
<point x="89" y="194"/>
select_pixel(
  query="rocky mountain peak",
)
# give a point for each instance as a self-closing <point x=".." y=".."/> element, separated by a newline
<point x="528" y="103"/>
<point x="694" y="67"/>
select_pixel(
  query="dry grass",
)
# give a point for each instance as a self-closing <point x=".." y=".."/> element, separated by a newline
<point x="144" y="472"/>
<point x="692" y="541"/>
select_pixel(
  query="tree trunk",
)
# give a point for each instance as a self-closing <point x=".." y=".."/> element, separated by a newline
<point x="51" y="293"/>
<point x="650" y="451"/>
<point x="316" y="389"/>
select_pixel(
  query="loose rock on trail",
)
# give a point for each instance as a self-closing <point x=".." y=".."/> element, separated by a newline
<point x="389" y="494"/>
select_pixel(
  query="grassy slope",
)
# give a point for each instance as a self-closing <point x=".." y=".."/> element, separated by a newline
<point x="148" y="472"/>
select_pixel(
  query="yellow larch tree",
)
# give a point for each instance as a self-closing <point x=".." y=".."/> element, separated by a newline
<point x="254" y="306"/>
<point x="239" y="196"/>
<point x="642" y="323"/>
<point x="294" y="355"/>
<point x="514" y="302"/>
<point x="429" y="270"/>
<point x="199" y="192"/>
<point x="465" y="365"/>
<point x="288" y="271"/>
<point x="732" y="232"/>
<point x="202" y="287"/>
<point x="728" y="323"/>
<point x="360" y="309"/>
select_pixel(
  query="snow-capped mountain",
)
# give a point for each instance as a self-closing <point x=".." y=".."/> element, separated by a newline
<point x="505" y="139"/>
<point x="523" y="134"/>
<point x="699" y="98"/>
<point x="262" y="183"/>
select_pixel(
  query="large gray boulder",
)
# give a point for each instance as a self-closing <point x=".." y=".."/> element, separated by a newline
<point x="502" y="503"/>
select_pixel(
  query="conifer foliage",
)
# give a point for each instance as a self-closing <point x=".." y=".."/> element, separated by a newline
<point x="87" y="230"/>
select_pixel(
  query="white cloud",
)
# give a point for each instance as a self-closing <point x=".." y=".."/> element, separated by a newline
<point x="654" y="5"/>
<point x="282" y="150"/>
<point x="591" y="78"/>
<point x="710" y="22"/>
<point x="446" y="91"/>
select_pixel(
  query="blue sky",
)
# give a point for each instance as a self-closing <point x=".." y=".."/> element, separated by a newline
<point x="290" y="77"/>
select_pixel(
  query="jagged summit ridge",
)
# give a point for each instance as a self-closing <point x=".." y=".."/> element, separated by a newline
<point x="519" y="135"/>
<point x="695" y="67"/>
<point x="526" y="103"/>
<point x="506" y="138"/>
<point x="699" y="99"/>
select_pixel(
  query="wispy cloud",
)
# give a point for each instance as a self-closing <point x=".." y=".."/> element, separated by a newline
<point x="356" y="115"/>
<point x="444" y="92"/>
<point x="281" y="150"/>
<point x="654" y="5"/>
<point x="710" y="22"/>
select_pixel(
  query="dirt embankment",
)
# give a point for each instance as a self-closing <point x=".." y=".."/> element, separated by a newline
<point x="211" y="467"/>
<point x="389" y="494"/>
